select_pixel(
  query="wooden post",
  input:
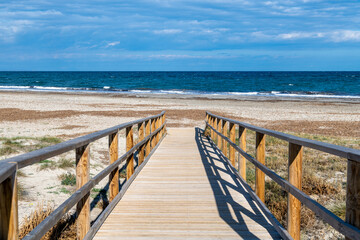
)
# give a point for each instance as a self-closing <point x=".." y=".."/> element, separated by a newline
<point x="152" y="130"/>
<point x="219" y="139"/>
<point x="164" y="119"/>
<point x="213" y="125"/>
<point x="147" y="133"/>
<point x="295" y="174"/>
<point x="129" y="145"/>
<point x="224" y="148"/>
<point x="141" y="137"/>
<point x="82" y="177"/>
<point x="232" y="138"/>
<point x="353" y="193"/>
<point x="157" y="123"/>
<point x="114" y="175"/>
<point x="259" y="175"/>
<point x="9" y="208"/>
<point x="242" y="159"/>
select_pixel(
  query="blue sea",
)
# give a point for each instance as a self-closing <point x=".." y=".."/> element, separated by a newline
<point x="288" y="84"/>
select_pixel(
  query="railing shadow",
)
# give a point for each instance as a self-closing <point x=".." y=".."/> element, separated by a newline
<point x="229" y="209"/>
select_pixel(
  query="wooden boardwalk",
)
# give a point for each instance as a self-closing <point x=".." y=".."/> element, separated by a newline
<point x="186" y="191"/>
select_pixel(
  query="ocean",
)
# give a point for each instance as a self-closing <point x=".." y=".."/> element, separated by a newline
<point x="282" y="84"/>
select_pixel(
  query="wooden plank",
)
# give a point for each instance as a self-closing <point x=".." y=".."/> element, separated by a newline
<point x="242" y="159"/>
<point x="232" y="138"/>
<point x="295" y="175"/>
<point x="9" y="208"/>
<point x="353" y="194"/>
<point x="141" y="137"/>
<point x="259" y="175"/>
<point x="178" y="195"/>
<point x="129" y="145"/>
<point x="147" y="133"/>
<point x="82" y="177"/>
<point x="114" y="175"/>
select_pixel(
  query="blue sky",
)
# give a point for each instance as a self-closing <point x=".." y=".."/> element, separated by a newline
<point x="180" y="35"/>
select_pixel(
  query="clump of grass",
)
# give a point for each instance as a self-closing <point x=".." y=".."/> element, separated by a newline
<point x="339" y="210"/>
<point x="315" y="185"/>
<point x="123" y="173"/>
<point x="18" y="144"/>
<point x="47" y="164"/>
<point x="68" y="179"/>
<point x="7" y="150"/>
<point x="65" y="163"/>
<point x="64" y="229"/>
<point x="21" y="191"/>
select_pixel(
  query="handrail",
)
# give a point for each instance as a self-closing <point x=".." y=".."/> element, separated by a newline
<point x="145" y="147"/>
<point x="51" y="151"/>
<point x="340" y="151"/>
<point x="213" y="122"/>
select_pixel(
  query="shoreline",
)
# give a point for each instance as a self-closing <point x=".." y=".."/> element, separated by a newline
<point x="204" y="96"/>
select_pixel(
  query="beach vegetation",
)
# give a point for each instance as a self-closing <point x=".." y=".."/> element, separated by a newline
<point x="10" y="145"/>
<point x="65" y="163"/>
<point x="68" y="179"/>
<point x="64" y="229"/>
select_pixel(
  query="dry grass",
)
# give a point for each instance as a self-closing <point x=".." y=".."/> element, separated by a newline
<point x="64" y="229"/>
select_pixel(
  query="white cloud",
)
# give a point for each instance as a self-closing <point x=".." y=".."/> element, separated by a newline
<point x="32" y="14"/>
<point x="345" y="36"/>
<point x="9" y="29"/>
<point x="167" y="31"/>
<point x="112" y="44"/>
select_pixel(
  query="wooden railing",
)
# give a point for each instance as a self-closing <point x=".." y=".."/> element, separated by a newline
<point x="145" y="147"/>
<point x="221" y="136"/>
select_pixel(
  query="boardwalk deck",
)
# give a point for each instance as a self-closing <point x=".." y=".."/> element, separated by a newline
<point x="186" y="191"/>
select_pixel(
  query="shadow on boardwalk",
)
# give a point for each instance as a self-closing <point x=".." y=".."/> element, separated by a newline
<point x="216" y="167"/>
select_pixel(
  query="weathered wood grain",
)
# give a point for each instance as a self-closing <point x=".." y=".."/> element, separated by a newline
<point x="295" y="175"/>
<point x="129" y="145"/>
<point x="260" y="175"/>
<point x="114" y="175"/>
<point x="242" y="145"/>
<point x="82" y="177"/>
<point x="141" y="137"/>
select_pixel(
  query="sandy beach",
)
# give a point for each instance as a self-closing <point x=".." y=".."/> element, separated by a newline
<point x="32" y="115"/>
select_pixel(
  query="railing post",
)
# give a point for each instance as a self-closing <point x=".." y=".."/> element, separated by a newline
<point x="232" y="138"/>
<point x="353" y="193"/>
<point x="147" y="133"/>
<point x="242" y="159"/>
<point x="259" y="175"/>
<point x="219" y="129"/>
<point x="129" y="145"/>
<point x="157" y="127"/>
<point x="141" y="137"/>
<point x="224" y="148"/>
<point x="295" y="174"/>
<point x="9" y="207"/>
<point x="152" y="130"/>
<point x="213" y="125"/>
<point x="164" y="120"/>
<point x="114" y="175"/>
<point x="82" y="177"/>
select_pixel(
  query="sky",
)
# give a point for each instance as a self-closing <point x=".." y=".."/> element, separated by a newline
<point x="180" y="35"/>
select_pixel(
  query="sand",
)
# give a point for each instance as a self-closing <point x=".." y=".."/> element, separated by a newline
<point x="30" y="114"/>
